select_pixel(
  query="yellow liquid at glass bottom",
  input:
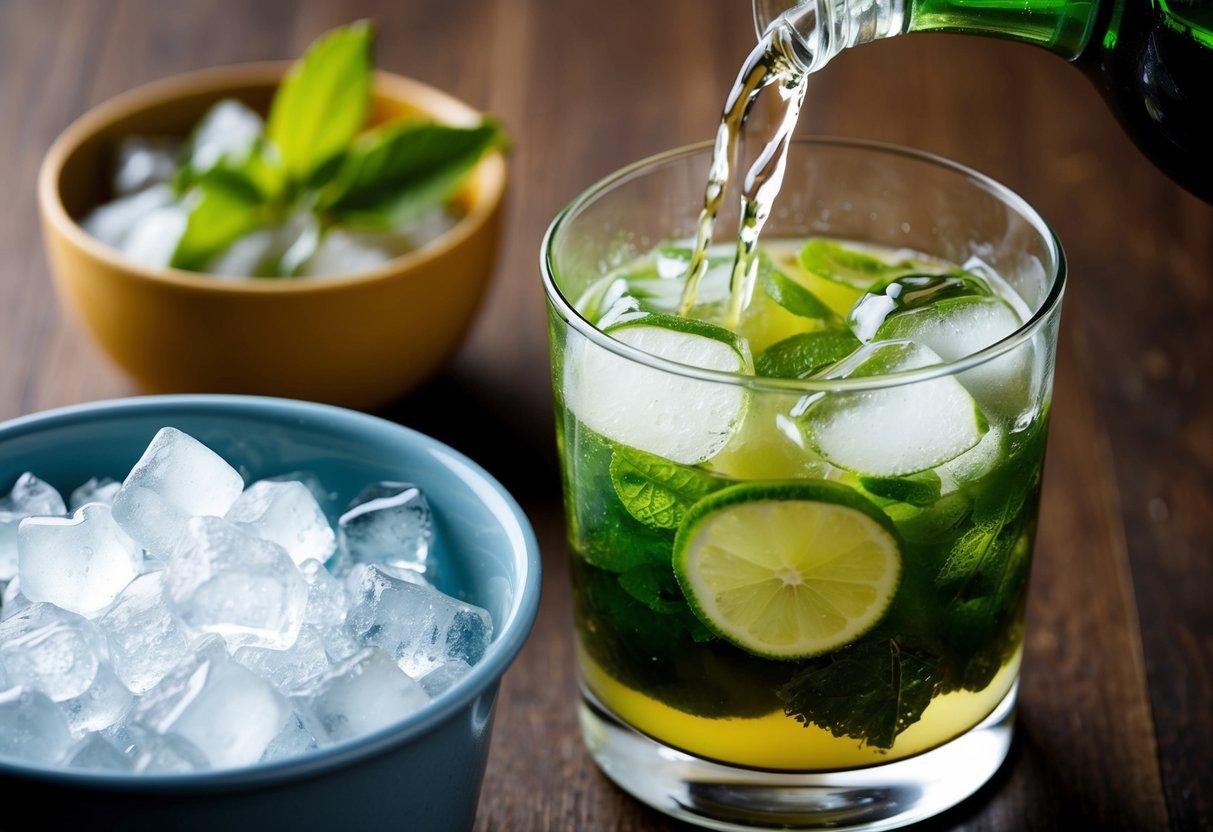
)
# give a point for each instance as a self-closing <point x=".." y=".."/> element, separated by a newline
<point x="777" y="741"/>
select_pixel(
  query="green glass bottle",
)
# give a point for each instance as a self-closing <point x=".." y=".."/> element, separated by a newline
<point x="1152" y="60"/>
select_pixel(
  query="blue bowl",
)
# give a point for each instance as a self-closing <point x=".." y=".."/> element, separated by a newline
<point x="423" y="773"/>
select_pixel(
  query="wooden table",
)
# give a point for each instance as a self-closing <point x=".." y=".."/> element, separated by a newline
<point x="1117" y="698"/>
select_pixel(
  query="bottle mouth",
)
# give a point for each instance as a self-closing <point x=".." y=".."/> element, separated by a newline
<point x="819" y="29"/>
<point x="1041" y="315"/>
<point x="766" y="11"/>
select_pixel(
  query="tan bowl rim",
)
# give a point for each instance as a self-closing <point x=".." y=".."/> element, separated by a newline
<point x="430" y="99"/>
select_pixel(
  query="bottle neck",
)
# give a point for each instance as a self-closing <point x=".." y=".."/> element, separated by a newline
<point x="820" y="29"/>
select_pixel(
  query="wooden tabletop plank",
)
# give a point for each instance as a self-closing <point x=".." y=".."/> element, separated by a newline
<point x="1115" y="728"/>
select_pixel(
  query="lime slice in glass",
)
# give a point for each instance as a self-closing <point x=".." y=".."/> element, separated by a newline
<point x="788" y="570"/>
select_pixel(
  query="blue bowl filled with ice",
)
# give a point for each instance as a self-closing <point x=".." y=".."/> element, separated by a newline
<point x="250" y="612"/>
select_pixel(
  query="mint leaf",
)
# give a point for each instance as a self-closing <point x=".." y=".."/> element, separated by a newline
<point x="833" y="261"/>
<point x="804" y="355"/>
<point x="657" y="588"/>
<point x="397" y="172"/>
<point x="600" y="528"/>
<point x="259" y="174"/>
<point x="941" y="522"/>
<point x="664" y="655"/>
<point x="223" y="210"/>
<point x="792" y="296"/>
<point x="654" y="587"/>
<point x="870" y="691"/>
<point x="323" y="101"/>
<point x="656" y="492"/>
<point x="921" y="489"/>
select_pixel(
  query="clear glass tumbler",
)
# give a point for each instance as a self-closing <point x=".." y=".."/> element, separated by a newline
<point x="912" y="714"/>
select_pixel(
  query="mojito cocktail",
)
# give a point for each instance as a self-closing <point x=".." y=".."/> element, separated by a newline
<point x="802" y="525"/>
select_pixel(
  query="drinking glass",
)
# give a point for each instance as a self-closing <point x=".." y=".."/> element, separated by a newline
<point x="911" y="716"/>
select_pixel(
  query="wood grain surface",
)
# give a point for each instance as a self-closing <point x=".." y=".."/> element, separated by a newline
<point x="1116" y="724"/>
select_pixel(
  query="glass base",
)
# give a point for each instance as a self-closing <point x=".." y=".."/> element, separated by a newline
<point x="724" y="797"/>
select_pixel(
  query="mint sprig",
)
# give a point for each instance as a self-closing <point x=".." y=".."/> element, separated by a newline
<point x="316" y="156"/>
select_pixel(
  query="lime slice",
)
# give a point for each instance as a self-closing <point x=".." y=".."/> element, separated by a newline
<point x="788" y="570"/>
<point x="683" y="420"/>
<point x="850" y="264"/>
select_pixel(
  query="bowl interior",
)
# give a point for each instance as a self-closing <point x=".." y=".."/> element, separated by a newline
<point x="478" y="542"/>
<point x="484" y="547"/>
<point x="173" y="107"/>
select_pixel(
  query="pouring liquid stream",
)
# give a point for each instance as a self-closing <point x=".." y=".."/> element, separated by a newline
<point x="771" y="68"/>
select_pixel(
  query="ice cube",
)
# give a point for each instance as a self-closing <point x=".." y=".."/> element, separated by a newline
<point x="79" y="563"/>
<point x="285" y="513"/>
<point x="123" y="736"/>
<point x="442" y="677"/>
<point x="253" y="255"/>
<point x="31" y="727"/>
<point x="154" y="237"/>
<point x="339" y="645"/>
<point x="13" y="600"/>
<point x="388" y="523"/>
<point x="327" y="602"/>
<point x="176" y="478"/>
<point x="419" y="626"/>
<point x="104" y="703"/>
<point x="364" y="693"/>
<point x="269" y="252"/>
<point x="894" y="430"/>
<point x="30" y="497"/>
<point x="145" y="641"/>
<point x="167" y="754"/>
<point x="324" y="497"/>
<point x="288" y="669"/>
<point x="52" y="650"/>
<point x="144" y="161"/>
<point x="423" y="229"/>
<point x="113" y="222"/>
<point x="960" y="327"/>
<point x="96" y="753"/>
<point x="220" y="707"/>
<point x="294" y="739"/>
<point x="347" y="252"/>
<point x="974" y="463"/>
<point x="95" y="491"/>
<point x="248" y="590"/>
<point x="228" y="131"/>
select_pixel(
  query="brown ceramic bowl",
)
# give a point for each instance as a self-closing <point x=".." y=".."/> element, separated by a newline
<point x="360" y="340"/>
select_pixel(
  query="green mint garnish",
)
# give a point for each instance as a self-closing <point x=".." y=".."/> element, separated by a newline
<point x="656" y="492"/>
<point x="831" y="260"/>
<point x="316" y="158"/>
<point x="921" y="489"/>
<point x="792" y="296"/>
<point x="870" y="691"/>
<point x="323" y="101"/>
<point x="805" y="354"/>
<point x="393" y="174"/>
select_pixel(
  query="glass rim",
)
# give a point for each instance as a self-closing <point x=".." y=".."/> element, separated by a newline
<point x="1026" y="331"/>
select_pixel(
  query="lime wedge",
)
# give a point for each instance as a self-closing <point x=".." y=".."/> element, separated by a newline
<point x="850" y="265"/>
<point x="788" y="570"/>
